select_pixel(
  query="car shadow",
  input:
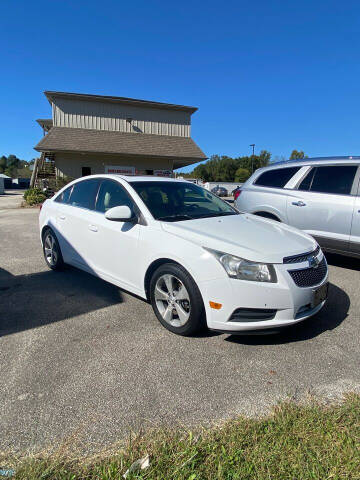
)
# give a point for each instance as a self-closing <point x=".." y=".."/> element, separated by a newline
<point x="331" y="316"/>
<point x="38" y="299"/>
<point x="343" y="261"/>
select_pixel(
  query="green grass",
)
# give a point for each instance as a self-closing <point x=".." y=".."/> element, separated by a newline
<point x="296" y="442"/>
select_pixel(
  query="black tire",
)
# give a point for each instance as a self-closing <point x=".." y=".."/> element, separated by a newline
<point x="267" y="215"/>
<point x="55" y="259"/>
<point x="196" y="314"/>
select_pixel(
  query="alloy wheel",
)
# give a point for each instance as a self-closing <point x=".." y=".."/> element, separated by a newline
<point x="50" y="248"/>
<point x="172" y="300"/>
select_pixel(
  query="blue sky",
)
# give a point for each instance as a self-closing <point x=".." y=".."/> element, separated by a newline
<point x="280" y="74"/>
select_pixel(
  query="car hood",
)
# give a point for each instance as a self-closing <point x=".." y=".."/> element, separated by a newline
<point x="247" y="236"/>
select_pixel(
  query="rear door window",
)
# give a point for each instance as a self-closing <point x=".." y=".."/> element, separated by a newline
<point x="84" y="193"/>
<point x="334" y="179"/>
<point x="64" y="196"/>
<point x="276" y="178"/>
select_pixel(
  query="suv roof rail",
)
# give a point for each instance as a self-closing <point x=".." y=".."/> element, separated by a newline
<point x="315" y="159"/>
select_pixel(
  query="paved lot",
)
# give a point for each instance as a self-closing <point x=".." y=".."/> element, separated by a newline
<point x="79" y="357"/>
<point x="11" y="199"/>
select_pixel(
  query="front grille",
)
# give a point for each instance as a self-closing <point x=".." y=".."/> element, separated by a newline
<point x="301" y="258"/>
<point x="309" y="277"/>
<point x="252" y="314"/>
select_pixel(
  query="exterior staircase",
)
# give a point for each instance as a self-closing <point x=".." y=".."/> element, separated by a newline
<point x="44" y="174"/>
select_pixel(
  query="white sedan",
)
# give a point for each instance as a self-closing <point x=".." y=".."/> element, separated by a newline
<point x="198" y="260"/>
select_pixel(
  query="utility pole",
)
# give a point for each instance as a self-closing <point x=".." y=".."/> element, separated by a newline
<point x="252" y="157"/>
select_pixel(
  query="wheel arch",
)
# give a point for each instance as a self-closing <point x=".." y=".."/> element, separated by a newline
<point x="43" y="230"/>
<point x="266" y="214"/>
<point x="151" y="269"/>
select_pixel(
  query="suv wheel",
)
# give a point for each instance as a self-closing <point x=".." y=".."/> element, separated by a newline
<point x="176" y="300"/>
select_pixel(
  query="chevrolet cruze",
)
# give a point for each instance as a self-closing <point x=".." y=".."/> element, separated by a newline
<point x="193" y="256"/>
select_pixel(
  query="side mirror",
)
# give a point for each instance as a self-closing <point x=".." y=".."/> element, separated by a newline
<point x="122" y="213"/>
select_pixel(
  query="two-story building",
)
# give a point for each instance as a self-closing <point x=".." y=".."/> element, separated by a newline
<point x="91" y="134"/>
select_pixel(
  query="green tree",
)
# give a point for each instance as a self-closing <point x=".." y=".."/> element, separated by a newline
<point x="223" y="168"/>
<point x="24" y="172"/>
<point x="13" y="161"/>
<point x="295" y="154"/>
<point x="11" y="171"/>
<point x="241" y="175"/>
<point x="3" y="164"/>
<point x="200" y="172"/>
<point x="226" y="169"/>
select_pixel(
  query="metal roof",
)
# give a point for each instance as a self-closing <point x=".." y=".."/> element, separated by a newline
<point x="52" y="95"/>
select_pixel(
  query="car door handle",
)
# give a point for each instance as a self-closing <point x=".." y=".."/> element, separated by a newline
<point x="62" y="217"/>
<point x="299" y="204"/>
<point x="93" y="228"/>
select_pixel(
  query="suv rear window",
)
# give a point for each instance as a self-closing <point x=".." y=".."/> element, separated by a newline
<point x="335" y="179"/>
<point x="277" y="178"/>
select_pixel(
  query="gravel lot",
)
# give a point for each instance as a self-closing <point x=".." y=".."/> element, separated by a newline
<point x="81" y="359"/>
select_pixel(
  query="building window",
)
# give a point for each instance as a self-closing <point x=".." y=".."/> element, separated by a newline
<point x="85" y="171"/>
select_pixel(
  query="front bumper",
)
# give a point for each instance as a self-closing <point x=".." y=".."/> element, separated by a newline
<point x="293" y="304"/>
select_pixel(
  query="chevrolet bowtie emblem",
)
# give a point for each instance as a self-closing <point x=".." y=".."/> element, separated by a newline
<point x="313" y="262"/>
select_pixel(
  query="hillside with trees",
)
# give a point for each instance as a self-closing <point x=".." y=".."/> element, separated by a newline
<point x="13" y="167"/>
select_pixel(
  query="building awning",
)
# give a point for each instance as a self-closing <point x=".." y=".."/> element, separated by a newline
<point x="183" y="150"/>
<point x="45" y="123"/>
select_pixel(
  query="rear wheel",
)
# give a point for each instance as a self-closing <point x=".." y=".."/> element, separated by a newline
<point x="176" y="300"/>
<point x="52" y="252"/>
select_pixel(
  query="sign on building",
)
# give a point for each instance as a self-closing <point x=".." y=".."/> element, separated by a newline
<point x="163" y="173"/>
<point x="119" y="170"/>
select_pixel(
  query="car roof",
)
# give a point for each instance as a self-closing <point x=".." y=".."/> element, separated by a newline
<point x="133" y="178"/>
<point x="313" y="161"/>
<point x="149" y="178"/>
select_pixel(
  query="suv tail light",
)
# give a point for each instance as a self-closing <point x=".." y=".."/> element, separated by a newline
<point x="237" y="194"/>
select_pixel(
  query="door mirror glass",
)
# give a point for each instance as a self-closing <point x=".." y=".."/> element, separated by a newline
<point x="121" y="213"/>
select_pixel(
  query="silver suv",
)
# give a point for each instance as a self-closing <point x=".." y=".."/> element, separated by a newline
<point x="318" y="195"/>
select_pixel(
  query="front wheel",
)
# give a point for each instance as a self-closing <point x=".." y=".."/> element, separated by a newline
<point x="176" y="300"/>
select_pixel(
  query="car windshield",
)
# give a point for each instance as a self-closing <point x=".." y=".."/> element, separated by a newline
<point x="174" y="201"/>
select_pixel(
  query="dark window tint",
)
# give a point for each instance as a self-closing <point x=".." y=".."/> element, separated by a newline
<point x="84" y="193"/>
<point x="306" y="183"/>
<point x="276" y="178"/>
<point x="112" y="194"/>
<point x="64" y="196"/>
<point x="337" y="179"/>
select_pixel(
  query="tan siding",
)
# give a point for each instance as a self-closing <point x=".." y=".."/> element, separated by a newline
<point x="69" y="164"/>
<point x="111" y="116"/>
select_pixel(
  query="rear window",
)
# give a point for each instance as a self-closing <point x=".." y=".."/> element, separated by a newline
<point x="276" y="178"/>
<point x="335" y="179"/>
<point x="64" y="196"/>
<point x="84" y="193"/>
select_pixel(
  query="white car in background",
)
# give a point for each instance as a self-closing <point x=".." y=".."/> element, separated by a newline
<point x="317" y="195"/>
<point x="198" y="260"/>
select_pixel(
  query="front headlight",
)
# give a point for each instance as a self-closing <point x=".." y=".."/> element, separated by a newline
<point x="243" y="269"/>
